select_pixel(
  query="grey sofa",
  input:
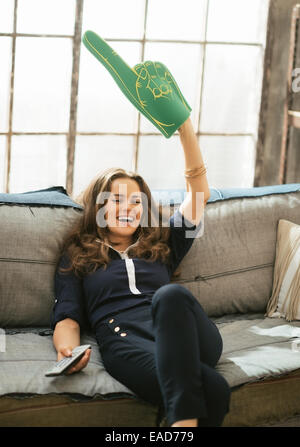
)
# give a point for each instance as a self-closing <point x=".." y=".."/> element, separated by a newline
<point x="229" y="269"/>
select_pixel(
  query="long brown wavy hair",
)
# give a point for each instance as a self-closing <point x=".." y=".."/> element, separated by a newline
<point x="82" y="245"/>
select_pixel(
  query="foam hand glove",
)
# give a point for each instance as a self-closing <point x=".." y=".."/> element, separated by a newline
<point x="149" y="86"/>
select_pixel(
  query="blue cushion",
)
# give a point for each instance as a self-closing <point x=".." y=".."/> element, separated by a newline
<point x="176" y="196"/>
<point x="230" y="193"/>
<point x="54" y="196"/>
<point x="57" y="195"/>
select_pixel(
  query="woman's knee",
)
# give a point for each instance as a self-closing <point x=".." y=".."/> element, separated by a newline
<point x="171" y="295"/>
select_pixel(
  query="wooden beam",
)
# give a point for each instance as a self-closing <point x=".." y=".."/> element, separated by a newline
<point x="274" y="97"/>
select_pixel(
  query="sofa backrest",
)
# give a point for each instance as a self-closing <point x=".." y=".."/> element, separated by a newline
<point x="32" y="228"/>
<point x="229" y="268"/>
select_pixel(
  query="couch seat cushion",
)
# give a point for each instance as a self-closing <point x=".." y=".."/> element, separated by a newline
<point x="254" y="348"/>
<point x="28" y="355"/>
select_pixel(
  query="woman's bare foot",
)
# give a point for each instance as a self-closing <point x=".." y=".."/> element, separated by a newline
<point x="186" y="423"/>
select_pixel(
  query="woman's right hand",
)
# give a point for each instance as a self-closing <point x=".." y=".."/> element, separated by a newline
<point x="81" y="364"/>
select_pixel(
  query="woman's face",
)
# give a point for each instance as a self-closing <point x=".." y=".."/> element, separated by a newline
<point x="125" y="200"/>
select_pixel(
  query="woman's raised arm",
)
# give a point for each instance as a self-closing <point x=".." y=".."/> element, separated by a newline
<point x="195" y="172"/>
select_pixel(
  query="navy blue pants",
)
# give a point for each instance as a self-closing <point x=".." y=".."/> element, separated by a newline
<point x="165" y="353"/>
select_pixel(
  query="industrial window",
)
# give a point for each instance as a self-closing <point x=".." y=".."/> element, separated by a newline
<point x="63" y="119"/>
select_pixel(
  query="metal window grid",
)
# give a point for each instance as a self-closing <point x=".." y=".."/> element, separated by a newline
<point x="72" y="133"/>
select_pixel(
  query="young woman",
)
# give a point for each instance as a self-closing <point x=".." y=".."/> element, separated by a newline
<point x="114" y="274"/>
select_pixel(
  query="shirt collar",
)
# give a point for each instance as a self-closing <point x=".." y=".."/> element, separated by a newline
<point x="125" y="251"/>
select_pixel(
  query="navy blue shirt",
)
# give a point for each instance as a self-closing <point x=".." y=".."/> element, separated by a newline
<point x="125" y="283"/>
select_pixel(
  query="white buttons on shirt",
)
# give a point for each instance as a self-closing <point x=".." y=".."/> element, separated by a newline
<point x="117" y="328"/>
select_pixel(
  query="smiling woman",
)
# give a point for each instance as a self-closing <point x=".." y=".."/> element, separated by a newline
<point x="127" y="300"/>
<point x="114" y="193"/>
<point x="119" y="212"/>
<point x="123" y="211"/>
<point x="121" y="256"/>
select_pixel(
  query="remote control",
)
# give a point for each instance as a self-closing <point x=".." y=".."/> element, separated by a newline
<point x="61" y="366"/>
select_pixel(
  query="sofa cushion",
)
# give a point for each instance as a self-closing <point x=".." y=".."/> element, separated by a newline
<point x="285" y="299"/>
<point x="33" y="226"/>
<point x="27" y="357"/>
<point x="254" y="348"/>
<point x="229" y="268"/>
<point x="55" y="196"/>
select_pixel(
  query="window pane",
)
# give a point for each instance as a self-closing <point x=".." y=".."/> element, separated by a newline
<point x="2" y="162"/>
<point x="5" y="51"/>
<point x="42" y="84"/>
<point x="114" y="18"/>
<point x="187" y="80"/>
<point x="232" y="88"/>
<point x="37" y="162"/>
<point x="46" y="16"/>
<point x="96" y="153"/>
<point x="102" y="106"/>
<point x="230" y="161"/>
<point x="237" y="20"/>
<point x="173" y="19"/>
<point x="6" y="16"/>
<point x="155" y="155"/>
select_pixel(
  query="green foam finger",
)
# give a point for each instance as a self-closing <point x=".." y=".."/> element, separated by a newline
<point x="149" y="86"/>
<point x="120" y="71"/>
<point x="170" y="78"/>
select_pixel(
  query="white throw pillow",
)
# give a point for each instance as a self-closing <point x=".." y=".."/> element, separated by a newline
<point x="285" y="299"/>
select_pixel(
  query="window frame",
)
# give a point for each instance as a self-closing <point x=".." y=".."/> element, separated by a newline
<point x="275" y="164"/>
<point x="263" y="174"/>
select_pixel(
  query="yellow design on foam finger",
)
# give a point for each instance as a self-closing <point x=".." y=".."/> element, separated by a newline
<point x="164" y="101"/>
<point x="160" y="124"/>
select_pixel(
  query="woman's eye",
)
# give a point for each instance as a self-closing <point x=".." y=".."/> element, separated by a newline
<point x="134" y="203"/>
